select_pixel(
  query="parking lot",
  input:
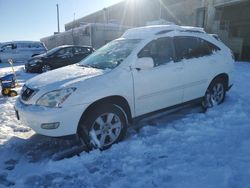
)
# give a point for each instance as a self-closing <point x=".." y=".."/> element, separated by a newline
<point x="186" y="146"/>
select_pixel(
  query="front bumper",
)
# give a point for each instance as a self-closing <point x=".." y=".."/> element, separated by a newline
<point x="34" y="116"/>
<point x="35" y="69"/>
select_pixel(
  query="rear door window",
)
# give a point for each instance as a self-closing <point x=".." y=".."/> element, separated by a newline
<point x="187" y="47"/>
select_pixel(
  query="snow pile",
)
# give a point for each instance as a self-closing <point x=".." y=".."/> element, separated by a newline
<point x="183" y="149"/>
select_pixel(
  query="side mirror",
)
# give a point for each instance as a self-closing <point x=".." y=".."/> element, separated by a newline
<point x="144" y="63"/>
<point x="13" y="46"/>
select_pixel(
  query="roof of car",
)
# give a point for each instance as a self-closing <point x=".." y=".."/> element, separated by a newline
<point x="21" y="42"/>
<point x="65" y="46"/>
<point x="144" y="32"/>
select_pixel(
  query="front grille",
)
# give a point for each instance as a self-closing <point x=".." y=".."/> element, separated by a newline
<point x="27" y="93"/>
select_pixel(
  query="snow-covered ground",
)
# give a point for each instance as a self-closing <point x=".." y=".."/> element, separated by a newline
<point x="183" y="149"/>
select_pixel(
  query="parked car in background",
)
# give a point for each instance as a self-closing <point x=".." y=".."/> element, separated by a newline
<point x="20" y="51"/>
<point x="146" y="70"/>
<point x="58" y="57"/>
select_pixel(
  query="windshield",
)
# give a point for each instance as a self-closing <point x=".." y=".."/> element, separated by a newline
<point x="111" y="55"/>
<point x="50" y="52"/>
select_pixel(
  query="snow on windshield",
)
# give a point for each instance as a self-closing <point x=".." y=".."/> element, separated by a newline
<point x="111" y="55"/>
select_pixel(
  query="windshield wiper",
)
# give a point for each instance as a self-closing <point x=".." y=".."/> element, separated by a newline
<point x="90" y="66"/>
<point x="87" y="66"/>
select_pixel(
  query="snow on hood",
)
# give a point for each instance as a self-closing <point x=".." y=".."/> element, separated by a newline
<point x="62" y="76"/>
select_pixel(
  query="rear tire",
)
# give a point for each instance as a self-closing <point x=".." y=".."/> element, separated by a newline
<point x="103" y="127"/>
<point x="215" y="94"/>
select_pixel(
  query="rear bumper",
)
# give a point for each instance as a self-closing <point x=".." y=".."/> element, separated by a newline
<point x="36" y="116"/>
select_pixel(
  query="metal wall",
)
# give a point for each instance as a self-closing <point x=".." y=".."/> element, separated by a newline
<point x="95" y="35"/>
<point x="138" y="13"/>
<point x="209" y="14"/>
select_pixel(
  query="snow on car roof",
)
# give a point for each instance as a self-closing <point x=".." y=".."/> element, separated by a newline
<point x="149" y="31"/>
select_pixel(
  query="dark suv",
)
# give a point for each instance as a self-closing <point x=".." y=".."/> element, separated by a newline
<point x="58" y="57"/>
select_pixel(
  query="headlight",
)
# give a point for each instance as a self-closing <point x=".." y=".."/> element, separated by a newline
<point x="55" y="98"/>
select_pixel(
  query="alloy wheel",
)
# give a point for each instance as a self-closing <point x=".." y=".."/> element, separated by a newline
<point x="105" y="130"/>
<point x="215" y="95"/>
<point x="46" y="68"/>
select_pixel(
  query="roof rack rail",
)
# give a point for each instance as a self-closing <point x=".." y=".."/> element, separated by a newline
<point x="180" y="29"/>
<point x="192" y="31"/>
<point x="164" y="31"/>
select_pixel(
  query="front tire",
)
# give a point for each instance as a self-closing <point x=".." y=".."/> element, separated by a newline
<point x="103" y="127"/>
<point x="215" y="94"/>
<point x="45" y="68"/>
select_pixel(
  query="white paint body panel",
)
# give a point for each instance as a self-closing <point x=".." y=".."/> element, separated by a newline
<point x="158" y="88"/>
<point x="145" y="91"/>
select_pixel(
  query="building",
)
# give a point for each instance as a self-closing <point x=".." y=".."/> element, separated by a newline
<point x="93" y="34"/>
<point x="229" y="19"/>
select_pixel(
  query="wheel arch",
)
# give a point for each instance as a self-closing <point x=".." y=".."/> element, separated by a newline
<point x="34" y="55"/>
<point x="224" y="77"/>
<point x="120" y="101"/>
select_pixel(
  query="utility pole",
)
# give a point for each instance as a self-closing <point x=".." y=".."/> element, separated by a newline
<point x="58" y="24"/>
<point x="106" y="15"/>
<point x="160" y="2"/>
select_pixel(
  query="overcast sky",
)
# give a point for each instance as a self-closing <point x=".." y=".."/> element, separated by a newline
<point x="34" y="19"/>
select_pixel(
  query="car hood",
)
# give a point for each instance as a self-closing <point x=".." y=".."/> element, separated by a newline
<point x="63" y="77"/>
<point x="44" y="55"/>
<point x="40" y="56"/>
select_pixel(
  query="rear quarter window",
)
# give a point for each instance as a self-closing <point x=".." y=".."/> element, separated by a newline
<point x="188" y="47"/>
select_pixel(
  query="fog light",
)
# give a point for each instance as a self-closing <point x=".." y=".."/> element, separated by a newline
<point x="50" y="125"/>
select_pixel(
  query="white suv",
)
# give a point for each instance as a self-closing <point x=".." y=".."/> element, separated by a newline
<point x="147" y="69"/>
